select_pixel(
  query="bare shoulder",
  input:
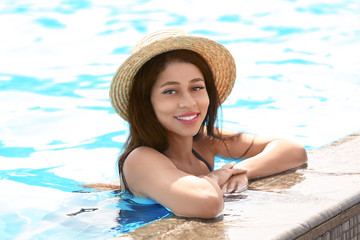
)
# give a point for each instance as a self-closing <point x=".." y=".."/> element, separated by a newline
<point x="140" y="152"/>
<point x="237" y="144"/>
<point x="145" y="157"/>
<point x="218" y="143"/>
<point x="140" y="167"/>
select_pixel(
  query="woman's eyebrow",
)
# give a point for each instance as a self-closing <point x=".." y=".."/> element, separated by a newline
<point x="169" y="83"/>
<point x="197" y="80"/>
<point x="177" y="83"/>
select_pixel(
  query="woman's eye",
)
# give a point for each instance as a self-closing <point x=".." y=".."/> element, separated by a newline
<point x="169" y="92"/>
<point x="197" y="88"/>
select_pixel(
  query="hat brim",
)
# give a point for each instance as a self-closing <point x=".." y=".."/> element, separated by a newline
<point x="219" y="59"/>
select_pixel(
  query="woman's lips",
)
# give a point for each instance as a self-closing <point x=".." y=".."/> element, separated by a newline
<point x="188" y="118"/>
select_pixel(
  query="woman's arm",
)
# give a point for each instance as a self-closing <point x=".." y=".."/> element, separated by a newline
<point x="277" y="156"/>
<point x="151" y="174"/>
<point x="263" y="156"/>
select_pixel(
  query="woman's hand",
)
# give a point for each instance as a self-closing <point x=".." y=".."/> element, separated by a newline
<point x="236" y="183"/>
<point x="224" y="174"/>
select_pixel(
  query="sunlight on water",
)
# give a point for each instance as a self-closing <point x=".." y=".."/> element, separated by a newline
<point x="297" y="77"/>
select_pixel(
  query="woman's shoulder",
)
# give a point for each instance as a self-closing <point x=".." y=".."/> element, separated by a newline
<point x="222" y="142"/>
<point x="138" y="164"/>
<point x="144" y="154"/>
<point x="213" y="138"/>
<point x="143" y="150"/>
<point x="143" y="159"/>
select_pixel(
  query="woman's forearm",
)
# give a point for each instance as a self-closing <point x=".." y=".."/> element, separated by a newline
<point x="277" y="156"/>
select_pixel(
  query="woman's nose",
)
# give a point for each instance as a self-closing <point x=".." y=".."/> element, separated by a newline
<point x="186" y="101"/>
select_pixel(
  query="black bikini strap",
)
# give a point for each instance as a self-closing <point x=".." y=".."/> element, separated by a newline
<point x="202" y="159"/>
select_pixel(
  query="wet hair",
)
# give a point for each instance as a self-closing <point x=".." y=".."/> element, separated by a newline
<point x="145" y="129"/>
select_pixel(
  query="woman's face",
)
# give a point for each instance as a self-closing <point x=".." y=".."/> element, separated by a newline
<point x="179" y="99"/>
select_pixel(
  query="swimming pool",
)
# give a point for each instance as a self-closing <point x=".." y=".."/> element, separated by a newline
<point x="298" y="78"/>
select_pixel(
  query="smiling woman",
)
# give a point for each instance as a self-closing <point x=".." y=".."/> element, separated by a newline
<point x="169" y="91"/>
<point x="173" y="99"/>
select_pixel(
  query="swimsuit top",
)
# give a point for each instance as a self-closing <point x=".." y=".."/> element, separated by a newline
<point x="202" y="159"/>
<point x="150" y="201"/>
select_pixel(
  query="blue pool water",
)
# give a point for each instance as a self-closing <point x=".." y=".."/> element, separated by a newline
<point x="298" y="77"/>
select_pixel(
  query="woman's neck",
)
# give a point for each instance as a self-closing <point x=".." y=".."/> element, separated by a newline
<point x="180" y="148"/>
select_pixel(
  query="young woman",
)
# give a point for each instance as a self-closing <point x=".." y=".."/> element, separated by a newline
<point x="169" y="91"/>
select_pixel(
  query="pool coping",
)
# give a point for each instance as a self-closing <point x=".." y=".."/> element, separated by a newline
<point x="302" y="203"/>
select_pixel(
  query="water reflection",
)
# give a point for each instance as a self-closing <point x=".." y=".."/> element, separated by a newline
<point x="133" y="215"/>
<point x="42" y="177"/>
<point x="279" y="182"/>
<point x="49" y="87"/>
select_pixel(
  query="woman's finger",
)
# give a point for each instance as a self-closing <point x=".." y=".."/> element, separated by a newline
<point x="229" y="165"/>
<point x="224" y="187"/>
<point x="231" y="187"/>
<point x="238" y="171"/>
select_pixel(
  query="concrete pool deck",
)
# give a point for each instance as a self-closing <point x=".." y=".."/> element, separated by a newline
<point x="318" y="201"/>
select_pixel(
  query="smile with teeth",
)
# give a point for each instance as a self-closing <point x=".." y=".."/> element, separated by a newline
<point x="188" y="118"/>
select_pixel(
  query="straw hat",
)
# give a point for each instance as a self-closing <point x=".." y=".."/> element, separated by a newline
<point x="219" y="59"/>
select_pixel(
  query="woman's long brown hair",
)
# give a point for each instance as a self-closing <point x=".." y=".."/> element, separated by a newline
<point x="145" y="129"/>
